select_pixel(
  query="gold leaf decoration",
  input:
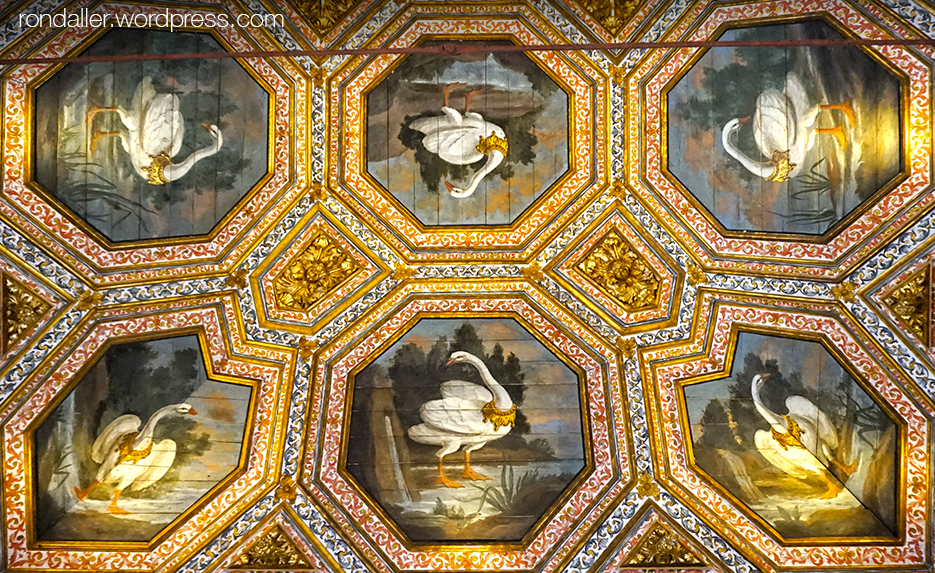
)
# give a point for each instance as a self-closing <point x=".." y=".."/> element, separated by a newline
<point x="288" y="490"/>
<point x="89" y="299"/>
<point x="621" y="271"/>
<point x="661" y="547"/>
<point x="696" y="276"/>
<point x="237" y="279"/>
<point x="324" y="15"/>
<point x="22" y="310"/>
<point x="533" y="271"/>
<point x="315" y="272"/>
<point x="646" y="486"/>
<point x="274" y="550"/>
<point x="845" y="291"/>
<point x="612" y="14"/>
<point x="911" y="302"/>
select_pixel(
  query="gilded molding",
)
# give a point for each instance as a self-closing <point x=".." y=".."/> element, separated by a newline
<point x="324" y="15"/>
<point x="613" y="14"/>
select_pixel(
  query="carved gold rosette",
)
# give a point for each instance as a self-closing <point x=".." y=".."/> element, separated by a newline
<point x="661" y="547"/>
<point x="911" y="303"/>
<point x="274" y="550"/>
<point x="324" y="15"/>
<point x="22" y="310"/>
<point x="614" y="265"/>
<point x="612" y="14"/>
<point x="314" y="273"/>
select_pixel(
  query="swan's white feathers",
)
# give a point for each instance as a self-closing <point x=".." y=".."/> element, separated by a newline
<point x="461" y="416"/>
<point x="110" y="437"/>
<point x="155" y="465"/>
<point x="462" y="390"/>
<point x="804" y="412"/>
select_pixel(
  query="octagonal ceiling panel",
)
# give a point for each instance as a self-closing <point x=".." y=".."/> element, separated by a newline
<point x="790" y="421"/>
<point x="406" y="160"/>
<point x="147" y="466"/>
<point x="535" y="467"/>
<point x="92" y="164"/>
<point x="718" y="155"/>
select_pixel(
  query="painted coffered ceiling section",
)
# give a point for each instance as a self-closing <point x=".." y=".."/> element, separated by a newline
<point x="444" y="304"/>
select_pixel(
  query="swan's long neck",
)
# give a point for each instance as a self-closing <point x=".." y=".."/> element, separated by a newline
<point x="494" y="158"/>
<point x="146" y="434"/>
<point x="774" y="419"/>
<point x="759" y="169"/>
<point x="176" y="171"/>
<point x="501" y="399"/>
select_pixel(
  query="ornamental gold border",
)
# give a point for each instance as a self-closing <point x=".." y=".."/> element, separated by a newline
<point x="698" y="361"/>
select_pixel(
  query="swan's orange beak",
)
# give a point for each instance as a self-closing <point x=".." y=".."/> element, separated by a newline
<point x="208" y="127"/>
<point x="764" y="376"/>
<point x="744" y="120"/>
<point x="450" y="362"/>
<point x="192" y="411"/>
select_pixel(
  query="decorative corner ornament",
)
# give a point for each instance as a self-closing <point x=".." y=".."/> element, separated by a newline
<point x="288" y="490"/>
<point x="618" y="190"/>
<point x="89" y="299"/>
<point x="318" y="191"/>
<point x="325" y="15"/>
<point x="696" y="276"/>
<point x="533" y="272"/>
<point x="307" y="347"/>
<point x="618" y="268"/>
<point x="646" y="486"/>
<point x="845" y="291"/>
<point x="627" y="347"/>
<point x="237" y="279"/>
<point x="403" y="272"/>
<point x="317" y="76"/>
<point x="661" y="547"/>
<point x="612" y="14"/>
<point x="20" y="311"/>
<point x="273" y="550"/>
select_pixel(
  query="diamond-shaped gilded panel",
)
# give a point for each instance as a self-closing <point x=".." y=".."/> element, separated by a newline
<point x="616" y="266"/>
<point x="316" y="269"/>
<point x="21" y="310"/>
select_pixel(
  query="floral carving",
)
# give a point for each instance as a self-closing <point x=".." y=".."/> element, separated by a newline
<point x="661" y="547"/>
<point x="911" y="302"/>
<point x="324" y="15"/>
<point x="318" y="270"/>
<point x="274" y="550"/>
<point x="22" y="310"/>
<point x="611" y="14"/>
<point x="620" y="270"/>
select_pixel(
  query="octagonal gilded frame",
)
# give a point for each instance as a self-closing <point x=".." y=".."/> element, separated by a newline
<point x="85" y="249"/>
<point x="577" y="76"/>
<point x="349" y="508"/>
<point x="798" y="255"/>
<point x="667" y="368"/>
<point x="225" y="359"/>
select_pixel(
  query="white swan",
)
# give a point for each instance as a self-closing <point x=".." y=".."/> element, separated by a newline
<point x="128" y="455"/>
<point x="468" y="416"/>
<point x="463" y="140"/>
<point x="784" y="128"/>
<point x="800" y="443"/>
<point x="155" y="129"/>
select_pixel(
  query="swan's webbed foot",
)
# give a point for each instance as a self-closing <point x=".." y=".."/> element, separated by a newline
<point x="834" y="487"/>
<point x="116" y="509"/>
<point x="470" y="474"/>
<point x="447" y="482"/>
<point x="838" y="132"/>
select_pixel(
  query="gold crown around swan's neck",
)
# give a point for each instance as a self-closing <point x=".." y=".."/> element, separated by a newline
<point x="156" y="169"/>
<point x="493" y="143"/>
<point x="781" y="166"/>
<point x="499" y="417"/>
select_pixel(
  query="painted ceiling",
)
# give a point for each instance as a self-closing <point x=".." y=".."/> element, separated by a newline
<point x="411" y="297"/>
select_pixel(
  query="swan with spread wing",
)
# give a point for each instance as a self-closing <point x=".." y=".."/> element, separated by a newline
<point x="467" y="417"/>
<point x="129" y="456"/>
